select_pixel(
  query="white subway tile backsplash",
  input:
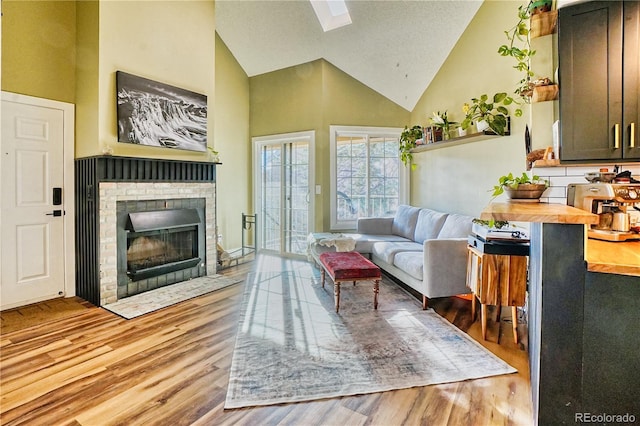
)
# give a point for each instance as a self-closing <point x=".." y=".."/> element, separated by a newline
<point x="556" y="192"/>
<point x="560" y="177"/>
<point x="566" y="180"/>
<point x="549" y="171"/>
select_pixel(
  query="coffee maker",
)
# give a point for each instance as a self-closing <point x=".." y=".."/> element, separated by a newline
<point x="616" y="204"/>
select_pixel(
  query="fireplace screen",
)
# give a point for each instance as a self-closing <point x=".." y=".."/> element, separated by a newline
<point x="161" y="241"/>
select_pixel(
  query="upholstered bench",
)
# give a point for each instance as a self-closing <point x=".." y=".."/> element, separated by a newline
<point x="349" y="266"/>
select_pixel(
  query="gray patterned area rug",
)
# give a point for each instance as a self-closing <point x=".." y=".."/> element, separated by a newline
<point x="153" y="300"/>
<point x="292" y="346"/>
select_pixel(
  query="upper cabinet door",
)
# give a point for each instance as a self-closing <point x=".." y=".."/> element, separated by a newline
<point x="631" y="77"/>
<point x="590" y="61"/>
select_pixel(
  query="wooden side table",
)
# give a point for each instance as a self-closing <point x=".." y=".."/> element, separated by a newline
<point x="499" y="280"/>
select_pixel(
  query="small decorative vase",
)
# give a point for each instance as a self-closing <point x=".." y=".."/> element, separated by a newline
<point x="462" y="132"/>
<point x="482" y="125"/>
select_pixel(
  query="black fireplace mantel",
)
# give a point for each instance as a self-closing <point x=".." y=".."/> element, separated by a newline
<point x="89" y="172"/>
<point x="110" y="168"/>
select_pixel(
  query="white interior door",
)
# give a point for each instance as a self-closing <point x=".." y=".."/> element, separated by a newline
<point x="33" y="234"/>
<point x="284" y="200"/>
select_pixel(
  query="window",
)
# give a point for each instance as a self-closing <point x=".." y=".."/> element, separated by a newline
<point x="367" y="177"/>
<point x="332" y="14"/>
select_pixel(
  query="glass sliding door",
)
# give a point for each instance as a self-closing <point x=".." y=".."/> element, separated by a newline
<point x="284" y="180"/>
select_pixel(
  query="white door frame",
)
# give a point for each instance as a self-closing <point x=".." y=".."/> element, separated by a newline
<point x="68" y="205"/>
<point x="256" y="142"/>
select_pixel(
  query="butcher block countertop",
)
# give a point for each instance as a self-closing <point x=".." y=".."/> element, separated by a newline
<point x="613" y="257"/>
<point x="537" y="212"/>
<point x="601" y="256"/>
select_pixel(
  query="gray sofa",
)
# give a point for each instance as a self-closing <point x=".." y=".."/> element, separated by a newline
<point x="423" y="248"/>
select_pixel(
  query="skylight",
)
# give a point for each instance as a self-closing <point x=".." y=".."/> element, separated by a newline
<point x="332" y="14"/>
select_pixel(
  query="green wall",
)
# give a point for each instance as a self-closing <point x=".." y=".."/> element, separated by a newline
<point x="313" y="96"/>
<point x="172" y="42"/>
<point x="39" y="48"/>
<point x="87" y="77"/>
<point x="458" y="178"/>
<point x="232" y="141"/>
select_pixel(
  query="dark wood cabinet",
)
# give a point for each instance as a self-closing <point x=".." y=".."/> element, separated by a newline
<point x="599" y="89"/>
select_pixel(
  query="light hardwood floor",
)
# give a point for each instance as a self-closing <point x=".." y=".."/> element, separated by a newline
<point x="171" y="368"/>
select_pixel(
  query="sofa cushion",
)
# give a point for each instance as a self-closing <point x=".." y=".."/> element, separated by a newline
<point x="428" y="225"/>
<point x="404" y="222"/>
<point x="374" y="225"/>
<point x="456" y="226"/>
<point x="410" y="262"/>
<point x="387" y="251"/>
<point x="365" y="242"/>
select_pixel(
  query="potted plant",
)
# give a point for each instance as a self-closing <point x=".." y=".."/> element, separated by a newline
<point x="539" y="6"/>
<point x="442" y="121"/>
<point x="488" y="114"/>
<point x="214" y="155"/>
<point x="521" y="187"/>
<point x="408" y="139"/>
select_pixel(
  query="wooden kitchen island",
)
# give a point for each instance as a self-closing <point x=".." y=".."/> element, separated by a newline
<point x="583" y="315"/>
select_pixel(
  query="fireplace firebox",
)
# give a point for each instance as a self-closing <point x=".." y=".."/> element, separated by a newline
<point x="160" y="242"/>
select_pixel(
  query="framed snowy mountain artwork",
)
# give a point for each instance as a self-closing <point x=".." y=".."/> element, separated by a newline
<point x="157" y="114"/>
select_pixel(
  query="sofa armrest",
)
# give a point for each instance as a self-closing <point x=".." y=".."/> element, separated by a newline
<point x="445" y="267"/>
<point x="375" y="225"/>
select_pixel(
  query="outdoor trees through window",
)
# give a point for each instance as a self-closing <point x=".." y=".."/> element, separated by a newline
<point x="368" y="179"/>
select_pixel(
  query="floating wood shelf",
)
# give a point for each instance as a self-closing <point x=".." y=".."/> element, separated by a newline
<point x="542" y="24"/>
<point x="474" y="137"/>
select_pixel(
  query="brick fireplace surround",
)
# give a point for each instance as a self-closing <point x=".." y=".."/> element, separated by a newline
<point x="112" y="192"/>
<point x="101" y="182"/>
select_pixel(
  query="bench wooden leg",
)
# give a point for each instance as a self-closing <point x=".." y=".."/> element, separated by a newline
<point x="514" y="319"/>
<point x="376" y="290"/>
<point x="336" y="293"/>
<point x="322" y="277"/>
<point x="425" y="302"/>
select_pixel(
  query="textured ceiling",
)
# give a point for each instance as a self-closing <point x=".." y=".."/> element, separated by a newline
<point x="394" y="47"/>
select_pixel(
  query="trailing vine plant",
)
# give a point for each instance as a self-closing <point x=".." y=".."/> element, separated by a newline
<point x="519" y="47"/>
<point x="408" y="139"/>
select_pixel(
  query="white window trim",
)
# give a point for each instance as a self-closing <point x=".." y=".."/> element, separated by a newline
<point x="362" y="131"/>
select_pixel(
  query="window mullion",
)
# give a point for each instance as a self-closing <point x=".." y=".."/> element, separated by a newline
<point x="368" y="175"/>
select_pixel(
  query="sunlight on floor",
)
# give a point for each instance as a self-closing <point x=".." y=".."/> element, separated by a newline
<point x="293" y="306"/>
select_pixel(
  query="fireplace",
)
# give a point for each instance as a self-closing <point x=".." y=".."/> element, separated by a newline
<point x="128" y="211"/>
<point x="158" y="247"/>
<point x="159" y="242"/>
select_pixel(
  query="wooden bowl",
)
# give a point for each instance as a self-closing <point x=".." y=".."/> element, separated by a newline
<point x="526" y="191"/>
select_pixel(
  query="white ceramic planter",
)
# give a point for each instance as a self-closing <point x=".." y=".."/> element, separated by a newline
<point x="482" y="125"/>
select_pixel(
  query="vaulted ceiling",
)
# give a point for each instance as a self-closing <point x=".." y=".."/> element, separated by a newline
<point x="395" y="47"/>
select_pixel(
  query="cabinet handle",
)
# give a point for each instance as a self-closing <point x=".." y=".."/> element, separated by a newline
<point x="616" y="136"/>
<point x="632" y="142"/>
